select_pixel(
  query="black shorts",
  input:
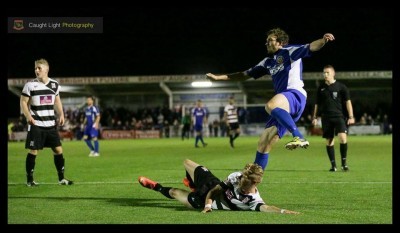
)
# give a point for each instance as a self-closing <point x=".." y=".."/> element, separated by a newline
<point x="331" y="126"/>
<point x="233" y="126"/>
<point x="203" y="181"/>
<point x="40" y="137"/>
<point x="186" y="127"/>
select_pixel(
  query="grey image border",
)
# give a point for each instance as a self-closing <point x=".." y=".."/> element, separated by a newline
<point x="55" y="24"/>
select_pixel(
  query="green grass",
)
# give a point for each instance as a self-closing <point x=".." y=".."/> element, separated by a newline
<point x="106" y="190"/>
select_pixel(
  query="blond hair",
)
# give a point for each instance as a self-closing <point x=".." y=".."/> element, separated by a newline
<point x="253" y="172"/>
<point x="42" y="61"/>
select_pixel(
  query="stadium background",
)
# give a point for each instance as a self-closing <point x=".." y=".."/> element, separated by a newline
<point x="148" y="42"/>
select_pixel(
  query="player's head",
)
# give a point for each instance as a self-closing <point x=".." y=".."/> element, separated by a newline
<point x="231" y="100"/>
<point x="90" y="100"/>
<point x="252" y="175"/>
<point x="199" y="103"/>
<point x="276" y="38"/>
<point x="41" y="68"/>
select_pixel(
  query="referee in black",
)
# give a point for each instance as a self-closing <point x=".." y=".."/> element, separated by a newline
<point x="334" y="105"/>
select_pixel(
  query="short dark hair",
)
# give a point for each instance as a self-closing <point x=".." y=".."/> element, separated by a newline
<point x="329" y="67"/>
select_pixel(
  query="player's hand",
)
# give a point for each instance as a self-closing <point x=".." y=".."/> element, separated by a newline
<point x="31" y="121"/>
<point x="290" y="212"/>
<point x="61" y="120"/>
<point x="206" y="210"/>
<point x="210" y="76"/>
<point x="328" y="37"/>
<point x="314" y="122"/>
<point x="350" y="121"/>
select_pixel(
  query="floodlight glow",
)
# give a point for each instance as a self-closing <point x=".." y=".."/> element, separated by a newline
<point x="202" y="84"/>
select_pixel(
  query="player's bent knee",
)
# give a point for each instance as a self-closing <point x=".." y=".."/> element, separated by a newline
<point x="187" y="162"/>
<point x="33" y="152"/>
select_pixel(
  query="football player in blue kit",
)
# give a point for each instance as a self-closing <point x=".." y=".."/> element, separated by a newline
<point x="199" y="118"/>
<point x="284" y="64"/>
<point x="91" y="123"/>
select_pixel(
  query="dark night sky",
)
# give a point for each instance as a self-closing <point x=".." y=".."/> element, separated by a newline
<point x="149" y="41"/>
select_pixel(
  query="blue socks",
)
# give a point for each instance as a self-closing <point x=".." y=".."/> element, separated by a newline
<point x="89" y="143"/>
<point x="96" y="146"/>
<point x="261" y="159"/>
<point x="286" y="120"/>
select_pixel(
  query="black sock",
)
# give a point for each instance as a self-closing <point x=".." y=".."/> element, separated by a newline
<point x="236" y="135"/>
<point x="331" y="154"/>
<point x="343" y="153"/>
<point x="30" y="166"/>
<point x="163" y="190"/>
<point x="59" y="162"/>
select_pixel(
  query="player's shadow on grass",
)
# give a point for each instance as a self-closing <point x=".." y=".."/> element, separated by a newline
<point x="267" y="170"/>
<point x="271" y="170"/>
<point x="159" y="203"/>
<point x="133" y="202"/>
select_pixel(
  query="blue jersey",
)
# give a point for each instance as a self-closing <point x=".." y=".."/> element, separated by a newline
<point x="91" y="113"/>
<point x="285" y="66"/>
<point x="198" y="114"/>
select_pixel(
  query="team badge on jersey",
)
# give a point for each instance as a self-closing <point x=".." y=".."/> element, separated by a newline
<point x="53" y="85"/>
<point x="279" y="59"/>
<point x="334" y="95"/>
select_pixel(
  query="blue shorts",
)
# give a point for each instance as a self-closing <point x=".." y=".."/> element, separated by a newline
<point x="91" y="132"/>
<point x="297" y="103"/>
<point x="198" y="128"/>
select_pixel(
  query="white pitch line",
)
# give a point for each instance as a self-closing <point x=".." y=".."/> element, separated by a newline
<point x="169" y="182"/>
<point x="334" y="182"/>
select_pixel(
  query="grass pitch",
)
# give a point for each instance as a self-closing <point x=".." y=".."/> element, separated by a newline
<point x="106" y="190"/>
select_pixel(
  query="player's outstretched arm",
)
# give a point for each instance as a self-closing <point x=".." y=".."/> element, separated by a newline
<point x="210" y="197"/>
<point x="238" y="76"/>
<point x="216" y="77"/>
<point x="318" y="44"/>
<point x="274" y="209"/>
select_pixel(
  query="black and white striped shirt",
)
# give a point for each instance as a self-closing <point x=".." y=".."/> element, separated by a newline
<point x="233" y="199"/>
<point x="41" y="101"/>
<point x="231" y="113"/>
